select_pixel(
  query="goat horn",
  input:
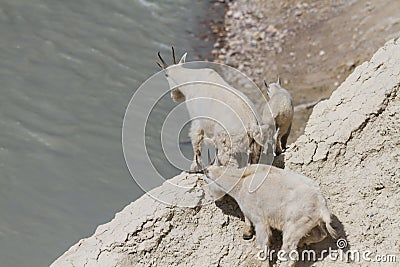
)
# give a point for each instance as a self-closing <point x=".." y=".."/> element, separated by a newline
<point x="159" y="65"/>
<point x="162" y="60"/>
<point x="265" y="83"/>
<point x="173" y="54"/>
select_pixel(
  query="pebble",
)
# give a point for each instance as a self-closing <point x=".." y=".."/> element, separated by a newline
<point x="271" y="28"/>
<point x="257" y="36"/>
<point x="322" y="53"/>
<point x="237" y="15"/>
<point x="149" y="235"/>
<point x="350" y="65"/>
<point x="298" y="13"/>
<point x="379" y="186"/>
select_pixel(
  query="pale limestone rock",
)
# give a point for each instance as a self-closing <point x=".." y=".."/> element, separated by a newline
<point x="356" y="162"/>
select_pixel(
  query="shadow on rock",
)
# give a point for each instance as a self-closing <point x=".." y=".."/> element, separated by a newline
<point x="229" y="206"/>
<point x="279" y="161"/>
<point x="334" y="249"/>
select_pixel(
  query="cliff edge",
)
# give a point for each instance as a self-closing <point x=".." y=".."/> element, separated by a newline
<point x="351" y="147"/>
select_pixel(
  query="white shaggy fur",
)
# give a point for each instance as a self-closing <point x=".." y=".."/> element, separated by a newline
<point x="221" y="115"/>
<point x="285" y="200"/>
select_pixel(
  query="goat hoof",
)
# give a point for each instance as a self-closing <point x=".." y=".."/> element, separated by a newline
<point x="247" y="236"/>
<point x="194" y="167"/>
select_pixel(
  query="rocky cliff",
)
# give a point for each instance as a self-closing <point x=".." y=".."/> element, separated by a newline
<point x="351" y="147"/>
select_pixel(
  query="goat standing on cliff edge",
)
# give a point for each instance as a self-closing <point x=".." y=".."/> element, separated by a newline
<point x="221" y="115"/>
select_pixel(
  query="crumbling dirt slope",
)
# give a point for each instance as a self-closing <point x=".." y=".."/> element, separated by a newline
<point x="312" y="45"/>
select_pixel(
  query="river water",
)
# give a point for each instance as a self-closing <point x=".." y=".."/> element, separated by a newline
<point x="67" y="72"/>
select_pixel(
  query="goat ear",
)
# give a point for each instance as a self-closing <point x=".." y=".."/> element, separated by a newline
<point x="183" y="59"/>
<point x="279" y="81"/>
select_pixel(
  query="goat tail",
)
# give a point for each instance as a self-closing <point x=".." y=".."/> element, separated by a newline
<point x="326" y="217"/>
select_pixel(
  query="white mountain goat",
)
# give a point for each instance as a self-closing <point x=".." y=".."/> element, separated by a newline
<point x="284" y="200"/>
<point x="220" y="114"/>
<point x="281" y="105"/>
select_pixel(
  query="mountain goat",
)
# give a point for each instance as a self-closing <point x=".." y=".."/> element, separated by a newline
<point x="221" y="115"/>
<point x="281" y="105"/>
<point x="284" y="200"/>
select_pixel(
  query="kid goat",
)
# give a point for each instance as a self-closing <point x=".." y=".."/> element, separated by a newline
<point x="285" y="200"/>
<point x="281" y="105"/>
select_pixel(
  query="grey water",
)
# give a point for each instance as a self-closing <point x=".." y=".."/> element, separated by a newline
<point x="67" y="72"/>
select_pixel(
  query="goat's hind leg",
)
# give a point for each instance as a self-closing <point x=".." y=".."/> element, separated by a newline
<point x="197" y="143"/>
<point x="278" y="143"/>
<point x="248" y="230"/>
<point x="291" y="238"/>
<point x="285" y="137"/>
<point x="317" y="234"/>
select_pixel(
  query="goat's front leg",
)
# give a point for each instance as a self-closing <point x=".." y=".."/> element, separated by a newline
<point x="248" y="230"/>
<point x="197" y="144"/>
<point x="263" y="233"/>
<point x="255" y="153"/>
